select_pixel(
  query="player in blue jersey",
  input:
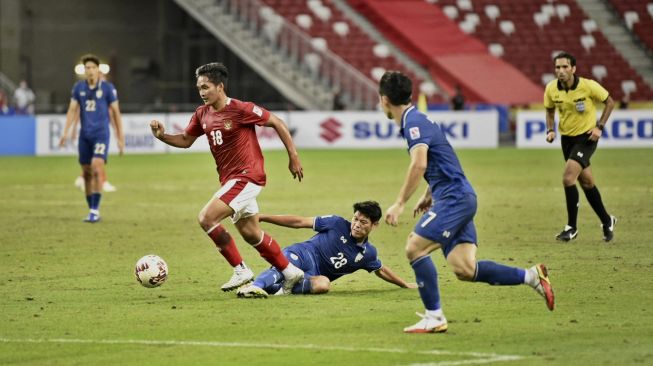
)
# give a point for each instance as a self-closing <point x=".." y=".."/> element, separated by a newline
<point x="448" y="206"/>
<point x="93" y="101"/>
<point x="339" y="248"/>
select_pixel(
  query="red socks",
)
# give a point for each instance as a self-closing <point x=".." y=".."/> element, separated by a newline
<point x="270" y="250"/>
<point x="226" y="245"/>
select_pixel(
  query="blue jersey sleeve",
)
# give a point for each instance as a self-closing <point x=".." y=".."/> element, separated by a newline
<point x="372" y="262"/>
<point x="74" y="94"/>
<point x="418" y="130"/>
<point x="324" y="223"/>
<point x="111" y="94"/>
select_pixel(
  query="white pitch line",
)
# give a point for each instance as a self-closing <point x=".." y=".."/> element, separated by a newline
<point x="479" y="358"/>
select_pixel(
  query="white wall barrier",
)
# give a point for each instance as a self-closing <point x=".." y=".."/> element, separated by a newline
<point x="344" y="130"/>
<point x="630" y="128"/>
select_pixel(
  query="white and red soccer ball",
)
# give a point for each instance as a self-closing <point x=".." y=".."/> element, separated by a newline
<point x="151" y="271"/>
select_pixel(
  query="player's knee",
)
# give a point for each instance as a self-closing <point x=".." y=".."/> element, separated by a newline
<point x="464" y="273"/>
<point x="320" y="285"/>
<point x="463" y="269"/>
<point x="205" y="221"/>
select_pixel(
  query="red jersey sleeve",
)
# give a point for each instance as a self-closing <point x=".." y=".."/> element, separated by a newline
<point x="251" y="113"/>
<point x="194" y="127"/>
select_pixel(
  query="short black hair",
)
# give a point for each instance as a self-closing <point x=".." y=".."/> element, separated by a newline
<point x="92" y="58"/>
<point x="370" y="209"/>
<point x="397" y="87"/>
<point x="567" y="55"/>
<point x="216" y="72"/>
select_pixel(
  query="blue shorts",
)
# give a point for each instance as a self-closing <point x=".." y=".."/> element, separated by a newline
<point x="449" y="222"/>
<point x="93" y="147"/>
<point x="302" y="259"/>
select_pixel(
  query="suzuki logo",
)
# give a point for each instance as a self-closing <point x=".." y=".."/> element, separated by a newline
<point x="330" y="130"/>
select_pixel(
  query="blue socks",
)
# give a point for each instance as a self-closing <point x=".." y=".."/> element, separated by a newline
<point x="271" y="281"/>
<point x="95" y="200"/>
<point x="498" y="274"/>
<point x="427" y="282"/>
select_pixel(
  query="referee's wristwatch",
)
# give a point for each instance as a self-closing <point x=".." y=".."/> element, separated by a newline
<point x="550" y="130"/>
<point x="600" y="126"/>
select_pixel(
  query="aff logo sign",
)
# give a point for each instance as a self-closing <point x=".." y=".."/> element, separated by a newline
<point x="330" y="130"/>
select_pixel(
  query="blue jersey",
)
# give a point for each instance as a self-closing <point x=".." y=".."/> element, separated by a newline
<point x="333" y="252"/>
<point x="443" y="171"/>
<point x="94" y="107"/>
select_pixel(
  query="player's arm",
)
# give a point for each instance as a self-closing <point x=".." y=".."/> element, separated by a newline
<point x="596" y="131"/>
<point x="424" y="203"/>
<point x="116" y="120"/>
<point x="294" y="164"/>
<point x="71" y="117"/>
<point x="550" y="123"/>
<point x="182" y="140"/>
<point x="295" y="222"/>
<point x="387" y="275"/>
<point x="418" y="159"/>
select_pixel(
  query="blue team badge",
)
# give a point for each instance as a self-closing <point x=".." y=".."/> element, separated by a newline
<point x="98" y="94"/>
<point x="82" y="93"/>
<point x="358" y="258"/>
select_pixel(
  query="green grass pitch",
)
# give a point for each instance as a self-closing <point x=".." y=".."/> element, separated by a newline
<point x="68" y="295"/>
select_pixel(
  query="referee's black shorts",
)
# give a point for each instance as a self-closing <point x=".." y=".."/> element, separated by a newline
<point x="579" y="148"/>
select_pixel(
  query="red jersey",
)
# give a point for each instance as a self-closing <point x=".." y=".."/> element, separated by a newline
<point x="232" y="139"/>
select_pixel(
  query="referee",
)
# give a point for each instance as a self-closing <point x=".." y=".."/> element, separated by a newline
<point x="574" y="98"/>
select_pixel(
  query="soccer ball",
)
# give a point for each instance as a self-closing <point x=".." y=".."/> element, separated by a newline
<point x="151" y="271"/>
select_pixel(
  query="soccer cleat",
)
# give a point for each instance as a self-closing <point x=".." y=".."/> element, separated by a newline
<point x="543" y="286"/>
<point x="92" y="217"/>
<point x="79" y="182"/>
<point x="242" y="275"/>
<point x="250" y="291"/>
<point x="108" y="187"/>
<point x="608" y="231"/>
<point x="291" y="275"/>
<point x="569" y="233"/>
<point x="428" y="324"/>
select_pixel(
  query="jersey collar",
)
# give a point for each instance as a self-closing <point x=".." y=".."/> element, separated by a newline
<point x="573" y="86"/>
<point x="403" y="116"/>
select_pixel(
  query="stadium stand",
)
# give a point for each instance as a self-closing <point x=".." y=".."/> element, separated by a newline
<point x="332" y="30"/>
<point x="456" y="58"/>
<point x="528" y="33"/>
<point x="638" y="17"/>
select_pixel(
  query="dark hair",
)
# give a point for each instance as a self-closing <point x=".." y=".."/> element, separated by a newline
<point x="215" y="71"/>
<point x="397" y="87"/>
<point x="569" y="56"/>
<point x="370" y="209"/>
<point x="92" y="58"/>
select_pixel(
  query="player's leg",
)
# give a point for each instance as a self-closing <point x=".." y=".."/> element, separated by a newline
<point x="593" y="195"/>
<point x="106" y="186"/>
<point x="267" y="247"/>
<point x="210" y="218"/>
<point x="569" y="177"/>
<point x="418" y="250"/>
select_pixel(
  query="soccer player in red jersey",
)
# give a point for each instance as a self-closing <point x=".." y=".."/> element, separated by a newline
<point x="229" y="125"/>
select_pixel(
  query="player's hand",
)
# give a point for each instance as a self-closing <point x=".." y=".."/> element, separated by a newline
<point x="595" y="134"/>
<point x="411" y="285"/>
<point x="550" y="137"/>
<point x="423" y="205"/>
<point x="64" y="141"/>
<point x="121" y="146"/>
<point x="393" y="213"/>
<point x="295" y="168"/>
<point x="157" y="129"/>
